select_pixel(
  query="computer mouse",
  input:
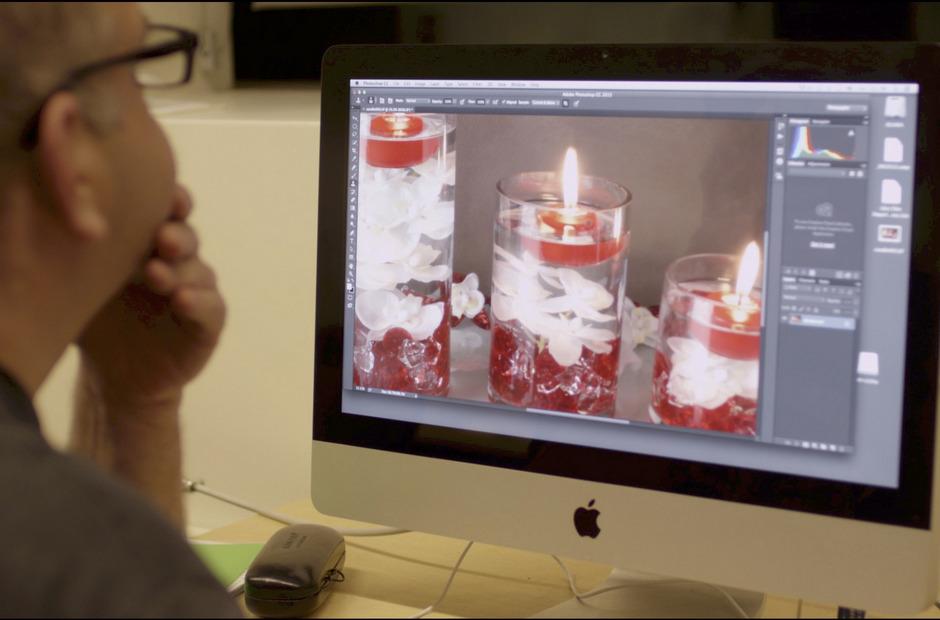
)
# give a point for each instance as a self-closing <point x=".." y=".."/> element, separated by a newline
<point x="293" y="572"/>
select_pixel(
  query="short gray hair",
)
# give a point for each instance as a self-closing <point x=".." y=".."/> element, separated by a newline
<point x="39" y="43"/>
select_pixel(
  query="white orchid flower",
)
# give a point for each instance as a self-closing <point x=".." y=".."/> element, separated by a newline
<point x="395" y="211"/>
<point x="427" y="213"/>
<point x="746" y="374"/>
<point x="384" y="200"/>
<point x="582" y="296"/>
<point x="381" y="311"/>
<point x="529" y="266"/>
<point x="378" y="276"/>
<point x="502" y="307"/>
<point x="387" y="201"/>
<point x="442" y="172"/>
<point x="645" y="327"/>
<point x="386" y="245"/>
<point x="567" y="337"/>
<point x="418" y="266"/>
<point x="525" y="310"/>
<point x="706" y="380"/>
<point x="466" y="300"/>
<point x="639" y="326"/>
<point x="436" y="221"/>
<point x="518" y="297"/>
<point x="515" y="283"/>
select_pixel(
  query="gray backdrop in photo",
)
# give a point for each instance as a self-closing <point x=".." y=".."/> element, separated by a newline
<point x="698" y="185"/>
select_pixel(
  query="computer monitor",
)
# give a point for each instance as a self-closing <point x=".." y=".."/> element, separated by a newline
<point x="672" y="308"/>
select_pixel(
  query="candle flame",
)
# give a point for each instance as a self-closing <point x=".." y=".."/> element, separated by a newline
<point x="747" y="271"/>
<point x="399" y="124"/>
<point x="569" y="179"/>
<point x="739" y="316"/>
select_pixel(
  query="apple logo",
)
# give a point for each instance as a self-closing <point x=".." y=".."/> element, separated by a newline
<point x="585" y="521"/>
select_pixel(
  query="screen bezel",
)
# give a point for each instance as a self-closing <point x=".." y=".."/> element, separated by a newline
<point x="909" y="505"/>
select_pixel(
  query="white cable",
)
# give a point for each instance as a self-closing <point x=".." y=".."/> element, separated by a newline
<point x="193" y="486"/>
<point x="583" y="596"/>
<point x="238" y="586"/>
<point x="450" y="580"/>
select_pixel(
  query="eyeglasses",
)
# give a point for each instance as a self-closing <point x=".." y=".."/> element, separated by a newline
<point x="165" y="60"/>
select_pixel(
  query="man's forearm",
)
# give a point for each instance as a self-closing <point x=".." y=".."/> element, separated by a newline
<point x="137" y="442"/>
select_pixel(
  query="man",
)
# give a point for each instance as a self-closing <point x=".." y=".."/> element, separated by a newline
<point x="95" y="250"/>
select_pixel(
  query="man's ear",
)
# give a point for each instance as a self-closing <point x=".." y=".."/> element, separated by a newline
<point x="71" y="167"/>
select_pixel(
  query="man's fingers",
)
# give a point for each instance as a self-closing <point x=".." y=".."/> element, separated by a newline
<point x="164" y="278"/>
<point x="182" y="204"/>
<point x="200" y="307"/>
<point x="176" y="240"/>
<point x="159" y="277"/>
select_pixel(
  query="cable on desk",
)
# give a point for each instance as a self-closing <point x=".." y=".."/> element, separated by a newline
<point x="450" y="580"/>
<point x="194" y="486"/>
<point x="583" y="596"/>
<point x="237" y="587"/>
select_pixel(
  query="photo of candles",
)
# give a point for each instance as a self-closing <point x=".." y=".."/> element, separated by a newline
<point x="598" y="268"/>
<point x="558" y="281"/>
<point x="707" y="367"/>
<point x="404" y="257"/>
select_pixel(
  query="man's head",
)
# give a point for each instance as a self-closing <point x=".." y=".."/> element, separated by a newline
<point x="80" y="206"/>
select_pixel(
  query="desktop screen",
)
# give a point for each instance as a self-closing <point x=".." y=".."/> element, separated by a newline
<point x="707" y="271"/>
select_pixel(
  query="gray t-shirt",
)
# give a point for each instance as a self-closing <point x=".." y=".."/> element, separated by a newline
<point x="76" y="543"/>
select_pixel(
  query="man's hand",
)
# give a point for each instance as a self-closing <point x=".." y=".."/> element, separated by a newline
<point x="137" y="354"/>
<point x="156" y="334"/>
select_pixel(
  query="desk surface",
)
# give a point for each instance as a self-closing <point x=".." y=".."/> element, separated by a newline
<point x="396" y="576"/>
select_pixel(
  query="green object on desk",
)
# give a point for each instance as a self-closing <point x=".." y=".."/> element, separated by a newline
<point x="226" y="561"/>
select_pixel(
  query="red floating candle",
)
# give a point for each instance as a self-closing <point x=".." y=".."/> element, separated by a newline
<point x="727" y="323"/>
<point x="572" y="232"/>
<point x="396" y="125"/>
<point x="574" y="254"/>
<point x="567" y="221"/>
<point x="400" y="141"/>
<point x="717" y="326"/>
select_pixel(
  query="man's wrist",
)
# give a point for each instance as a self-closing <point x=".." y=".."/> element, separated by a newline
<point x="123" y="404"/>
<point x="133" y="436"/>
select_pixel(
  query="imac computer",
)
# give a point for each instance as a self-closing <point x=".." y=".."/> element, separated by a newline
<point x="669" y="308"/>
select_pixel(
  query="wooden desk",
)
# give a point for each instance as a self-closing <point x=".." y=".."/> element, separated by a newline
<point x="396" y="576"/>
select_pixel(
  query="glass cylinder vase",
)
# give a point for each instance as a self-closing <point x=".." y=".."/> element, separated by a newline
<point x="707" y="367"/>
<point x="559" y="275"/>
<point x="404" y="260"/>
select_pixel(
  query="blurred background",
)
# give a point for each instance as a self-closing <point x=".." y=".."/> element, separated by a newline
<point x="246" y="42"/>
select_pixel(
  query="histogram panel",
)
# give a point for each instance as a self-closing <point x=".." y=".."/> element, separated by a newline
<point x="829" y="143"/>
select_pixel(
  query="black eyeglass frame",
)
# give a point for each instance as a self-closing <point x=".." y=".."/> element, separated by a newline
<point x="186" y="41"/>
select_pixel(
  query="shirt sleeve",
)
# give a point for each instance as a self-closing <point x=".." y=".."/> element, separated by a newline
<point x="75" y="543"/>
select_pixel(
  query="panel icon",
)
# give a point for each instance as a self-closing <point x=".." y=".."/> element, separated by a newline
<point x="893" y="151"/>
<point x="890" y="192"/>
<point x="895" y="107"/>
<point x="889" y="233"/>
<point x="868" y="363"/>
